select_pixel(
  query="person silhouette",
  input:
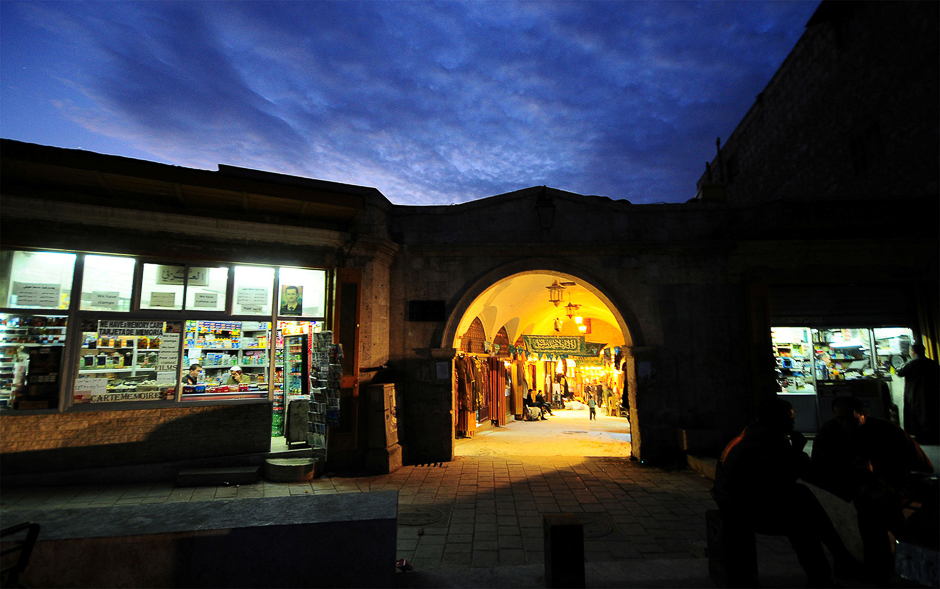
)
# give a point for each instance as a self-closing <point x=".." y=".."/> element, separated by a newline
<point x="921" y="396"/>
<point x="869" y="461"/>
<point x="756" y="486"/>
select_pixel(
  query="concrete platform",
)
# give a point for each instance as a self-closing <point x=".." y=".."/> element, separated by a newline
<point x="346" y="540"/>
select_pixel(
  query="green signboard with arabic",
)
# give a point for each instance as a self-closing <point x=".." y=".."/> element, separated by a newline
<point x="554" y="344"/>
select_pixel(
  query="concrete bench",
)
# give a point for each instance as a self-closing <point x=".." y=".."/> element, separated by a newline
<point x="344" y="540"/>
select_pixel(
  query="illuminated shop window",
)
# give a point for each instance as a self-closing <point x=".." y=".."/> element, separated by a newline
<point x="163" y="287"/>
<point x="122" y="361"/>
<point x="31" y="350"/>
<point x="36" y="280"/>
<point x="253" y="287"/>
<point x="206" y="289"/>
<point x="226" y="360"/>
<point x="108" y="283"/>
<point x="302" y="292"/>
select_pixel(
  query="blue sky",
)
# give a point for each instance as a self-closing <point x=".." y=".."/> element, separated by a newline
<point x="430" y="102"/>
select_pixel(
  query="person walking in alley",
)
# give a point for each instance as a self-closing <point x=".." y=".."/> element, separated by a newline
<point x="592" y="407"/>
<point x="756" y="487"/>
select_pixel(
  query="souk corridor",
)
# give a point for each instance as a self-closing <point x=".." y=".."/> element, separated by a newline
<point x="566" y="433"/>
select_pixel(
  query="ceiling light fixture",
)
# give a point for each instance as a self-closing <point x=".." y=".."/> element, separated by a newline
<point x="554" y="293"/>
<point x="571" y="308"/>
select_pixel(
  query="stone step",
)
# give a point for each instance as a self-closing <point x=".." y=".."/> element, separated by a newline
<point x="213" y="477"/>
<point x="291" y="470"/>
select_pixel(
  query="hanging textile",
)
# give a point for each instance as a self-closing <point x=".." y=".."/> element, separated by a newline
<point x="466" y="422"/>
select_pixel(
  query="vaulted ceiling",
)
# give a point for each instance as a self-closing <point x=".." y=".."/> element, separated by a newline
<point x="521" y="304"/>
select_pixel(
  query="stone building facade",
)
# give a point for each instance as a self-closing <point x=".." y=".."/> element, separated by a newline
<point x="821" y="208"/>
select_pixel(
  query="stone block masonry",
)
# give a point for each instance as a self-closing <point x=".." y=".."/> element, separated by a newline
<point x="94" y="439"/>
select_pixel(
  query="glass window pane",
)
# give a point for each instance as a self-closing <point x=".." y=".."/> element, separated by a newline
<point x="127" y="361"/>
<point x="253" y="286"/>
<point x="206" y="289"/>
<point x="31" y="348"/>
<point x="162" y="287"/>
<point x="233" y="357"/>
<point x="302" y="292"/>
<point x="38" y="280"/>
<point x="108" y="283"/>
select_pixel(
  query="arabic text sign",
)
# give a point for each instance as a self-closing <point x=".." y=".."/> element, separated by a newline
<point x="176" y="274"/>
<point x="554" y="344"/>
<point x="36" y="295"/>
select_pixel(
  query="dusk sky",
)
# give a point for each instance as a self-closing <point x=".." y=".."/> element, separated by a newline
<point x="429" y="102"/>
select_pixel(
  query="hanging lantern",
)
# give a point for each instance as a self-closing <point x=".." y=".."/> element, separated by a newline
<point x="554" y="293"/>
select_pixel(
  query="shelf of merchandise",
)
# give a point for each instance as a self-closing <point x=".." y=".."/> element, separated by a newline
<point x="14" y="337"/>
<point x="239" y="333"/>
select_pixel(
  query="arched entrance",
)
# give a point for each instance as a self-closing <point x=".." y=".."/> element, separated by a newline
<point x="544" y="330"/>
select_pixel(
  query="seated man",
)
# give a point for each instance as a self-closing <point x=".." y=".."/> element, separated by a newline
<point x="532" y="411"/>
<point x="540" y="402"/>
<point x="870" y="461"/>
<point x="756" y="485"/>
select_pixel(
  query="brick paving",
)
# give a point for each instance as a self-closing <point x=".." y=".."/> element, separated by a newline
<point x="477" y="511"/>
<point x="482" y="513"/>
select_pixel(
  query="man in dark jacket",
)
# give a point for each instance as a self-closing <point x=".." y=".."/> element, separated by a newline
<point x="756" y="486"/>
<point x="921" y="396"/>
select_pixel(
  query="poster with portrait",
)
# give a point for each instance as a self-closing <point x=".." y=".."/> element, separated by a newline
<point x="292" y="300"/>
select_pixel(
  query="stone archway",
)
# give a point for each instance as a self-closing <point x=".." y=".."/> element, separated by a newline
<point x="486" y="299"/>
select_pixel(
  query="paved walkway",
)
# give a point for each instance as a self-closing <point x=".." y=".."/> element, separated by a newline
<point x="477" y="521"/>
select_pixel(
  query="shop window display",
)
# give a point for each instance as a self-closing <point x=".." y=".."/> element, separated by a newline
<point x="816" y="365"/>
<point x="121" y="360"/>
<point x="37" y="280"/>
<point x="107" y="283"/>
<point x="127" y="361"/>
<point x="31" y="350"/>
<point x="234" y="359"/>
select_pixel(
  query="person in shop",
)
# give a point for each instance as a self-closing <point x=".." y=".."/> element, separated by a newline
<point x="292" y="303"/>
<point x="545" y="407"/>
<point x="921" y="396"/>
<point x="592" y="407"/>
<point x="235" y="376"/>
<point x="192" y="377"/>
<point x="872" y="462"/>
<point x="756" y="487"/>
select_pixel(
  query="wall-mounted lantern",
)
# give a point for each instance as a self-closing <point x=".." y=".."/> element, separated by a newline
<point x="545" y="209"/>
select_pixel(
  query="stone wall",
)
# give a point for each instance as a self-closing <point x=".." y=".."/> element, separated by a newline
<point x="851" y="113"/>
<point x="93" y="439"/>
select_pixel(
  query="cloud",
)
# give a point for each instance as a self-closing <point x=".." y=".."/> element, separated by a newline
<point x="429" y="102"/>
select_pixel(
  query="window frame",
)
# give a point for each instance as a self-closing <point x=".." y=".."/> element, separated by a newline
<point x="75" y="317"/>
